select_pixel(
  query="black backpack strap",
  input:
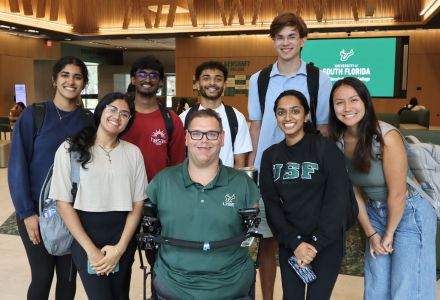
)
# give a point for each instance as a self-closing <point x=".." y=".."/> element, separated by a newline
<point x="38" y="113"/>
<point x="313" y="86"/>
<point x="263" y="84"/>
<point x="192" y="110"/>
<point x="233" y="123"/>
<point x="169" y="125"/>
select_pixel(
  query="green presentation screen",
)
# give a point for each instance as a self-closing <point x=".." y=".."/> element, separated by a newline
<point x="378" y="62"/>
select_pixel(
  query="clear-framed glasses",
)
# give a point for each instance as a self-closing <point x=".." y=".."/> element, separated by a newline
<point x="154" y="76"/>
<point x="198" y="135"/>
<point x="111" y="109"/>
<point x="281" y="38"/>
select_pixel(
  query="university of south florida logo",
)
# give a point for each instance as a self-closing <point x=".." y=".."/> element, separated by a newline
<point x="346" y="55"/>
<point x="229" y="200"/>
<point x="294" y="170"/>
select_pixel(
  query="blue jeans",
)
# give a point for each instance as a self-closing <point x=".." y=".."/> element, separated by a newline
<point x="409" y="272"/>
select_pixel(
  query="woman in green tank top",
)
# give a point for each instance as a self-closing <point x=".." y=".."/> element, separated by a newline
<point x="399" y="224"/>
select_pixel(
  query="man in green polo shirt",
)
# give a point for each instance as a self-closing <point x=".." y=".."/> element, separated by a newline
<point x="199" y="200"/>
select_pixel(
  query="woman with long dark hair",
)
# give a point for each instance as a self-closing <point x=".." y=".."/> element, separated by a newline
<point x="399" y="224"/>
<point x="108" y="204"/>
<point x="32" y="152"/>
<point x="305" y="187"/>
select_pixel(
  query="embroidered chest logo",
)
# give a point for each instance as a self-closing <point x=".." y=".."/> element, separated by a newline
<point x="294" y="170"/>
<point x="229" y="200"/>
<point x="158" y="137"/>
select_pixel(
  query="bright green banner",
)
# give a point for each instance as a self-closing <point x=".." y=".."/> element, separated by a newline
<point x="371" y="60"/>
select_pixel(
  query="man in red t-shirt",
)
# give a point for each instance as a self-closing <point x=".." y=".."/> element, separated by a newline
<point x="149" y="131"/>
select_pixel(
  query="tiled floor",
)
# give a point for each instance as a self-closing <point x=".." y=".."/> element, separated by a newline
<point x="15" y="273"/>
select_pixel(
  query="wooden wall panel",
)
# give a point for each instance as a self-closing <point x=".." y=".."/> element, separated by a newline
<point x="423" y="66"/>
<point x="11" y="70"/>
<point x="17" y="56"/>
<point x="44" y="89"/>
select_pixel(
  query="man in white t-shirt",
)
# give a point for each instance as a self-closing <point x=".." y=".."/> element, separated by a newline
<point x="211" y="79"/>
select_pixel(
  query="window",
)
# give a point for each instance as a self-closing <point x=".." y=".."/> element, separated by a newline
<point x="170" y="85"/>
<point x="90" y="93"/>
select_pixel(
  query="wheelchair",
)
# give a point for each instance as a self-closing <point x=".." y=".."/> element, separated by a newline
<point x="150" y="239"/>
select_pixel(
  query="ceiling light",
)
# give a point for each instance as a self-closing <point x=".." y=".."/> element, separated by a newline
<point x="166" y="9"/>
<point x="427" y="7"/>
<point x="32" y="31"/>
<point x="121" y="29"/>
<point x="212" y="25"/>
<point x="35" y="21"/>
<point x="360" y="20"/>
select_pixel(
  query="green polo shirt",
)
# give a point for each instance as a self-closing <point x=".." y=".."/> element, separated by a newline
<point x="190" y="211"/>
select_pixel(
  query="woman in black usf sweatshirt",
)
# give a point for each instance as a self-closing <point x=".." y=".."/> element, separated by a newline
<point x="304" y="184"/>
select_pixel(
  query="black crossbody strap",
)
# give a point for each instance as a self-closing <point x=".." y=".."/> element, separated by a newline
<point x="205" y="246"/>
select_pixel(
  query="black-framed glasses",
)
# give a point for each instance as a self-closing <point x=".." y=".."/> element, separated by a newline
<point x="154" y="76"/>
<point x="198" y="135"/>
<point x="111" y="109"/>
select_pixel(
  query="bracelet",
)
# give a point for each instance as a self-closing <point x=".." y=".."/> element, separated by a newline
<point x="370" y="236"/>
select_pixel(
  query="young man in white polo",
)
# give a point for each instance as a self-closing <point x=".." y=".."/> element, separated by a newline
<point x="211" y="79"/>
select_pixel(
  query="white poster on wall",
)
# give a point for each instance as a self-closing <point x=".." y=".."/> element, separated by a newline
<point x="20" y="93"/>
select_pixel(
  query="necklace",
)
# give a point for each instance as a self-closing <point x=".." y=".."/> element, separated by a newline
<point x="108" y="150"/>
<point x="59" y="114"/>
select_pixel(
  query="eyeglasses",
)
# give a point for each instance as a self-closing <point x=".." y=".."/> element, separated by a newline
<point x="154" y="76"/>
<point x="198" y="135"/>
<point x="282" y="38"/>
<point x="111" y="109"/>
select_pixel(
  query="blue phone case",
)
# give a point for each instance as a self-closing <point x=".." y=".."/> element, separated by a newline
<point x="306" y="274"/>
<point x="92" y="271"/>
